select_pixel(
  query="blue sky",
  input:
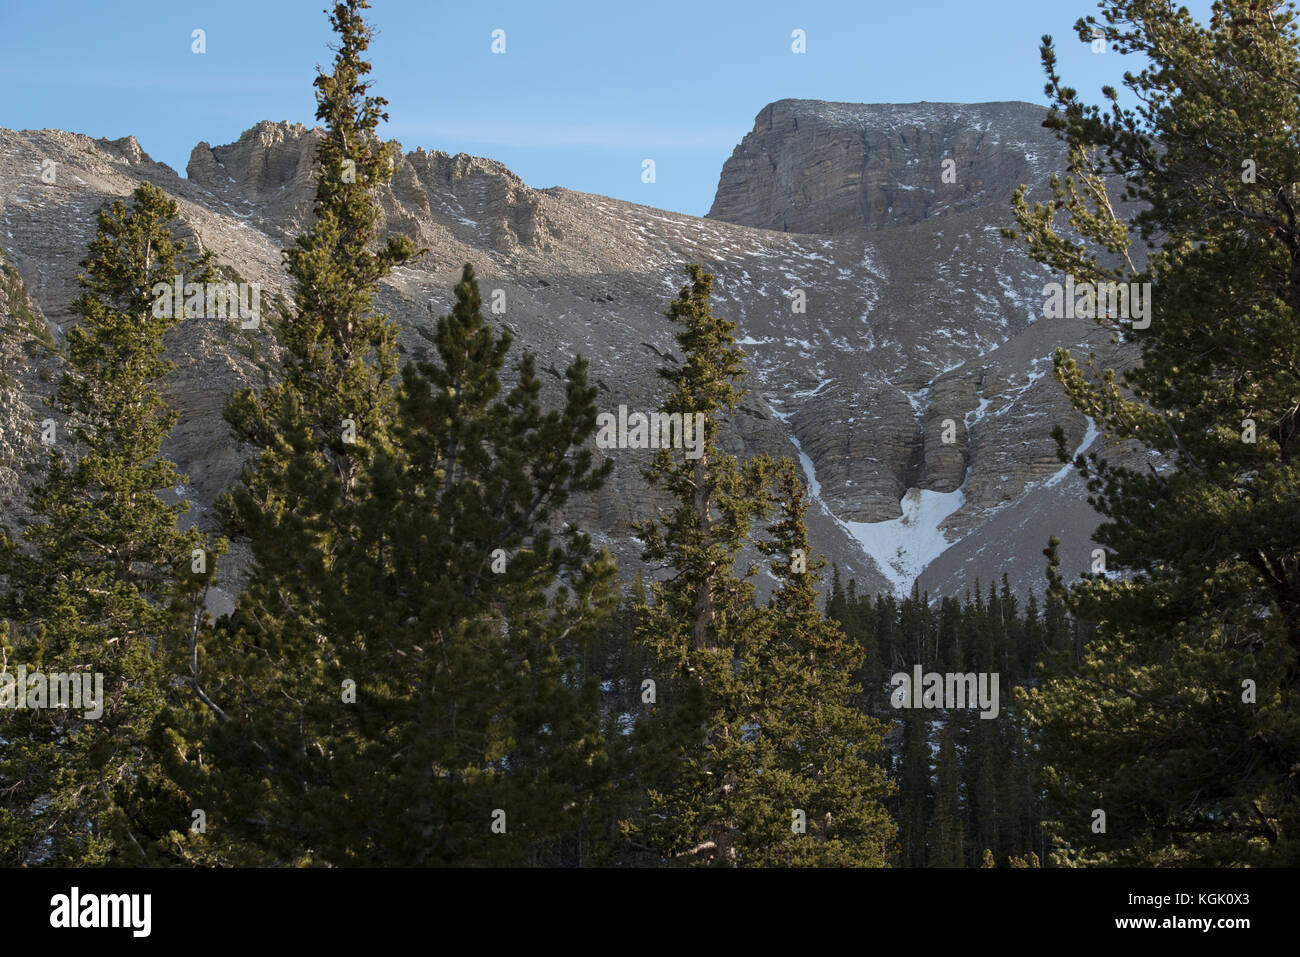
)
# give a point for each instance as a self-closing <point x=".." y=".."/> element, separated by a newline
<point x="583" y="94"/>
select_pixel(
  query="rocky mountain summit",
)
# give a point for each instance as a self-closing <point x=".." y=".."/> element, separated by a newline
<point x="836" y="168"/>
<point x="897" y="342"/>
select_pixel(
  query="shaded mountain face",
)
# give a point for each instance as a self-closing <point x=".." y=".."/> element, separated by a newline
<point x="896" y="342"/>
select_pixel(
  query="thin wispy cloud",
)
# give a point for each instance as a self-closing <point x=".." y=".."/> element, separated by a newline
<point x="613" y="136"/>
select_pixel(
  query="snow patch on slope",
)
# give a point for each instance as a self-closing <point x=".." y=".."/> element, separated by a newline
<point x="903" y="547"/>
<point x="1065" y="469"/>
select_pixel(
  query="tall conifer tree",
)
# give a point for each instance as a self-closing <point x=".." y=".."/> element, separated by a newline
<point x="694" y="618"/>
<point x="776" y="763"/>
<point x="946" y="836"/>
<point x="275" y="716"/>
<point x="468" y="620"/>
<point x="1179" y="717"/>
<point x="107" y="583"/>
<point x="810" y="748"/>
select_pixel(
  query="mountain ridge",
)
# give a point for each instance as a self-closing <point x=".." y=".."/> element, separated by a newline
<point x="906" y="326"/>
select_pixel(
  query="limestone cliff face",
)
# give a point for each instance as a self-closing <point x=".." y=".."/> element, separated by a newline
<point x="943" y="384"/>
<point x="914" y="387"/>
<point x="270" y="166"/>
<point x="815" y="167"/>
<point x="26" y="363"/>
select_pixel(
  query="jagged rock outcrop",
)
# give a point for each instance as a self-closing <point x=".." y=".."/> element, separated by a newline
<point x="270" y="166"/>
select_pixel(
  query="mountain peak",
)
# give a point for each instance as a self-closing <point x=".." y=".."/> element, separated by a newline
<point x="813" y="166"/>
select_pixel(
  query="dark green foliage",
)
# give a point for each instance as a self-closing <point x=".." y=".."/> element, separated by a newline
<point x="407" y="677"/>
<point x="774" y="765"/>
<point x="692" y="621"/>
<point x="811" y="747"/>
<point x="106" y="582"/>
<point x="715" y="498"/>
<point x="28" y="327"/>
<point x="945" y="838"/>
<point x="995" y="803"/>
<point x="276" y="711"/>
<point x="467" y="624"/>
<point x="1152" y="721"/>
<point x="428" y="666"/>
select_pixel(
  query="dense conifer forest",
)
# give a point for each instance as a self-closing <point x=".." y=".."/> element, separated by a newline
<point x="430" y="664"/>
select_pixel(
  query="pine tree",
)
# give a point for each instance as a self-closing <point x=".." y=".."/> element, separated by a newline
<point x="952" y="647"/>
<point x="631" y="730"/>
<point x="913" y="801"/>
<point x="1032" y="640"/>
<point x="1022" y="798"/>
<point x="716" y="500"/>
<point x="107" y="583"/>
<point x="945" y="838"/>
<point x="787" y="770"/>
<point x="694" y="618"/>
<point x="887" y="630"/>
<point x="274" y="714"/>
<point x="468" y="624"/>
<point x="983" y="766"/>
<point x="1179" y="717"/>
<point x="811" y="748"/>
